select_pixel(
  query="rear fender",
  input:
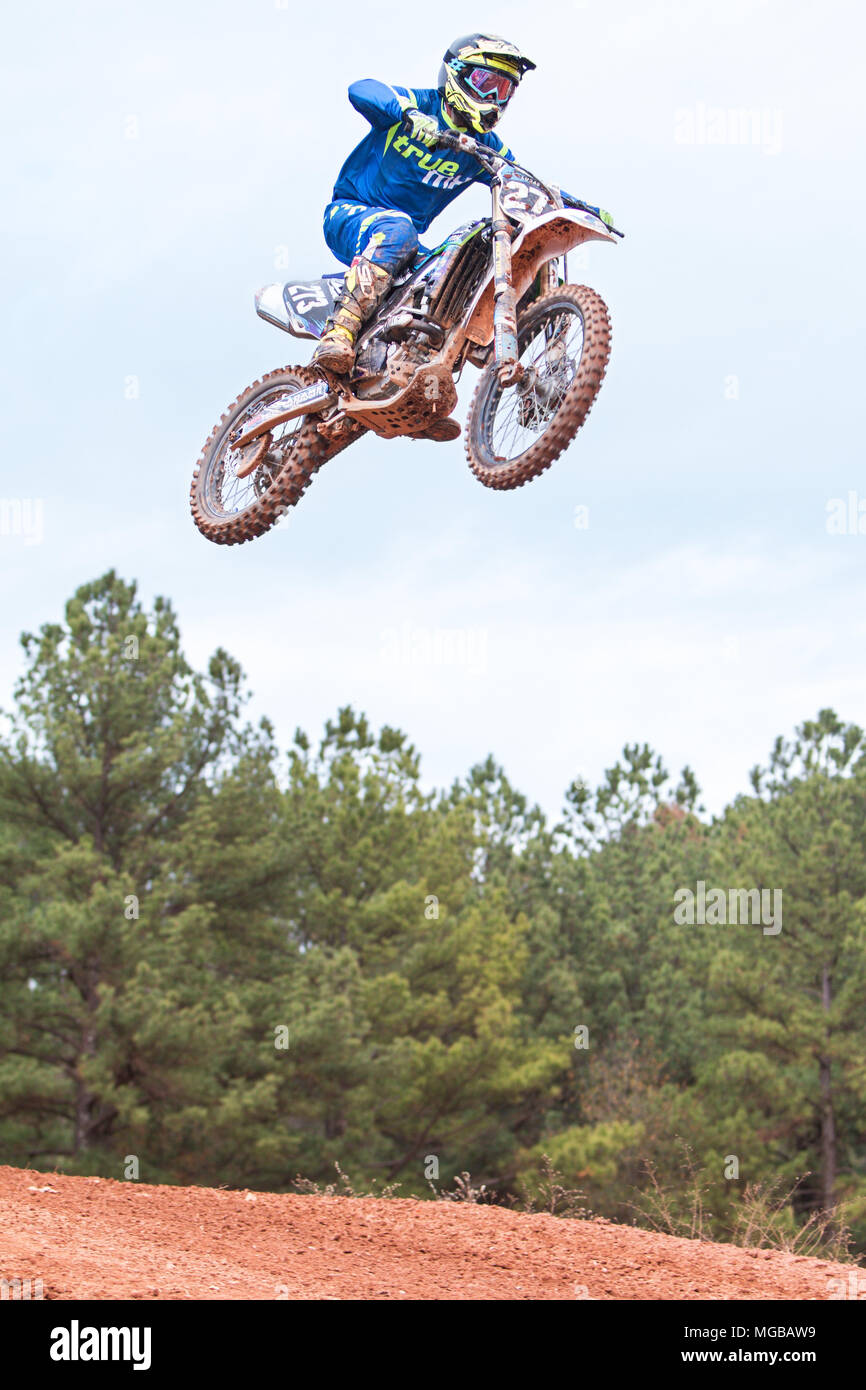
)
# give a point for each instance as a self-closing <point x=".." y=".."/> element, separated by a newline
<point x="543" y="239"/>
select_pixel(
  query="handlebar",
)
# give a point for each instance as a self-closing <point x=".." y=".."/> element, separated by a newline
<point x="467" y="145"/>
<point x="587" y="207"/>
<point x="458" y="141"/>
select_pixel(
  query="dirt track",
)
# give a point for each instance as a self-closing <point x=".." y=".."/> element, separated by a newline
<point x="93" y="1238"/>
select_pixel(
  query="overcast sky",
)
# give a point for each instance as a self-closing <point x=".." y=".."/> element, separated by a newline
<point x="164" y="160"/>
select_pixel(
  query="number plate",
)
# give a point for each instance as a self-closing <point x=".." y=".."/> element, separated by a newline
<point x="307" y="297"/>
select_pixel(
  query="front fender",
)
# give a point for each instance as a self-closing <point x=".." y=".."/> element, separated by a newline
<point x="542" y="239"/>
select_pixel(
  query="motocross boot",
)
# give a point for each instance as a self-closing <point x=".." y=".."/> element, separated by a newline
<point x="364" y="289"/>
<point x="442" y="431"/>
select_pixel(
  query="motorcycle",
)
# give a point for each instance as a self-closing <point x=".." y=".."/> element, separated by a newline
<point x="494" y="294"/>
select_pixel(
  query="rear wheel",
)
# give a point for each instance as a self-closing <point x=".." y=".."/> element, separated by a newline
<point x="238" y="494"/>
<point x="513" y="433"/>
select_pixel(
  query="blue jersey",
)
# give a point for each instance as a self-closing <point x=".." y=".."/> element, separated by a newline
<point x="388" y="171"/>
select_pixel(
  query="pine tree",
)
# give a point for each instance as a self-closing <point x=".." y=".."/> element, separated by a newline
<point x="115" y="1019"/>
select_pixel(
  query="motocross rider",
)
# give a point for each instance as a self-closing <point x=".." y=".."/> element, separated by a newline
<point x="393" y="183"/>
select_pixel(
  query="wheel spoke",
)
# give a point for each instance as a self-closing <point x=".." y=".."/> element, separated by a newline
<point x="227" y="493"/>
<point x="550" y="359"/>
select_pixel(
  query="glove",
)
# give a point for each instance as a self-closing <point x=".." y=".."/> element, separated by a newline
<point x="424" y="129"/>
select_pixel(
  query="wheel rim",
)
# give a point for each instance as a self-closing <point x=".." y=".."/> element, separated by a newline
<point x="224" y="493"/>
<point x="517" y="416"/>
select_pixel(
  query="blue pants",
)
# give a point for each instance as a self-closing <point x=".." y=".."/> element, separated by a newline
<point x="382" y="235"/>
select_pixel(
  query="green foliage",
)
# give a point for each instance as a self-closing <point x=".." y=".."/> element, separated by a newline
<point x="244" y="973"/>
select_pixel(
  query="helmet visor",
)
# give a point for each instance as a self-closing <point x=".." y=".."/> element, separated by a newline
<point x="489" y="85"/>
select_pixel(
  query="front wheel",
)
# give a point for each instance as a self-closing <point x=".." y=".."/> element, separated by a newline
<point x="513" y="433"/>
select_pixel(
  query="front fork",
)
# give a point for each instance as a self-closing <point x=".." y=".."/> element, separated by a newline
<point x="505" y="347"/>
<point x="505" y="351"/>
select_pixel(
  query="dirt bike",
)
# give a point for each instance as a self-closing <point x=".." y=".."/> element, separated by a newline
<point x="494" y="294"/>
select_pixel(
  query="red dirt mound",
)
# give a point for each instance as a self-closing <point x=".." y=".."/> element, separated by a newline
<point x="94" y="1238"/>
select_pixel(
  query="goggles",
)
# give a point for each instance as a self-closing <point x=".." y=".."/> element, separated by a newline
<point x="489" y="85"/>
